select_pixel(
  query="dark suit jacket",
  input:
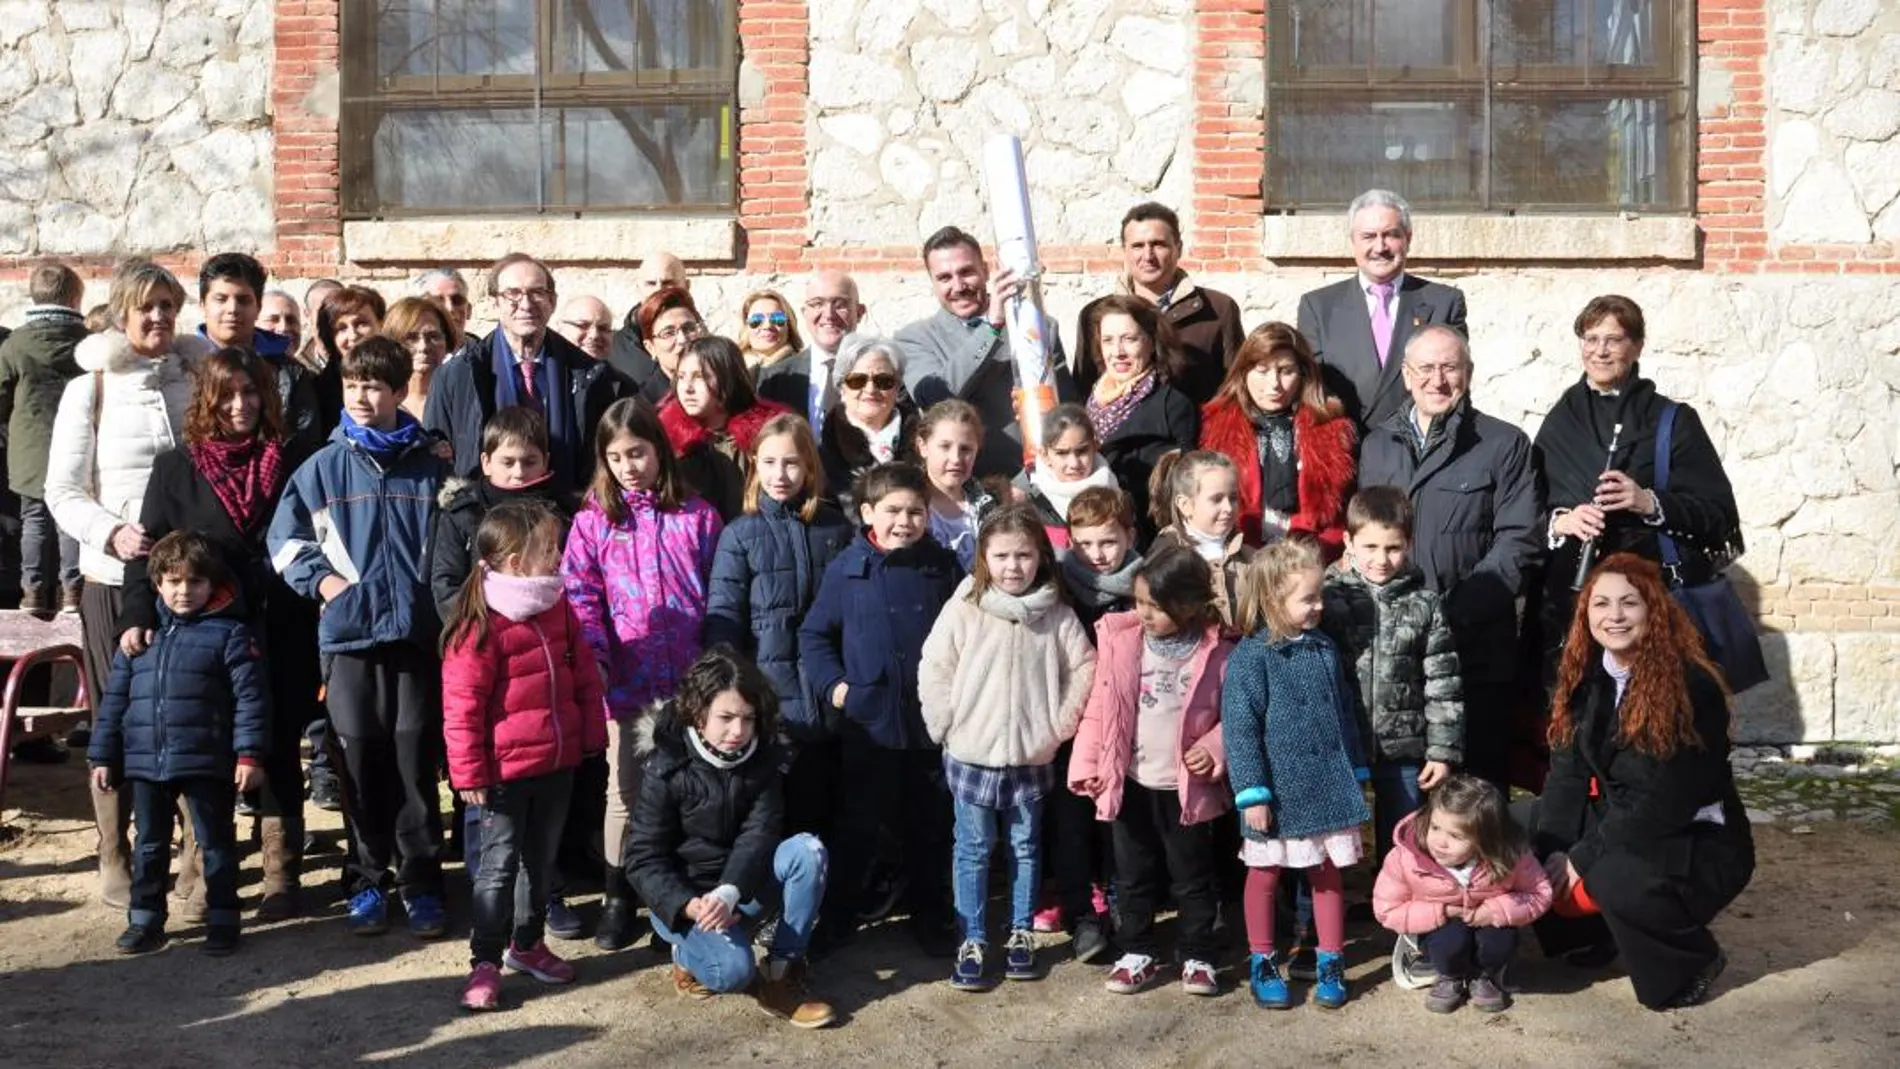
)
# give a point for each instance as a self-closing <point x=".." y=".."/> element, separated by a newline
<point x="789" y="382"/>
<point x="1335" y="320"/>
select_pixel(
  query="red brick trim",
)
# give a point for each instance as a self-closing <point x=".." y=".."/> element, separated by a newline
<point x="305" y="186"/>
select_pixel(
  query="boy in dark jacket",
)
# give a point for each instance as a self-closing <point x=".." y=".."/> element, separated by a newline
<point x="1098" y="571"/>
<point x="860" y="645"/>
<point x="704" y="847"/>
<point x="1392" y="630"/>
<point x="36" y="363"/>
<point x="188" y="717"/>
<point x="352" y="530"/>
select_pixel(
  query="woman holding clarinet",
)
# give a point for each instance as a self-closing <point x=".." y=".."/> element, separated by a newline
<point x="1598" y="448"/>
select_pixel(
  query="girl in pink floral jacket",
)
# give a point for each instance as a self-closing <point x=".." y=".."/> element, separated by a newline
<point x="637" y="568"/>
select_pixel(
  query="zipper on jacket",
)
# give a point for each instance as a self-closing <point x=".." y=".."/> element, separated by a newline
<point x="554" y="693"/>
<point x="158" y="718"/>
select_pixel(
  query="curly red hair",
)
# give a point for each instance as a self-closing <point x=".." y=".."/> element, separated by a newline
<point x="1656" y="716"/>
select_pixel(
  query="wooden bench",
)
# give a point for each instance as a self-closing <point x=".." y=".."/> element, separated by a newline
<point x="26" y="642"/>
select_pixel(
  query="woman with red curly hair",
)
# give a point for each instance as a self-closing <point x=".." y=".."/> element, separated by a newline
<point x="1640" y="811"/>
<point x="1288" y="440"/>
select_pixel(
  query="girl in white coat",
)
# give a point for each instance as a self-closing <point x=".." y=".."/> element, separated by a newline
<point x="113" y="422"/>
<point x="1002" y="682"/>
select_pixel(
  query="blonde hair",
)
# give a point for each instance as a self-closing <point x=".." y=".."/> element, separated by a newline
<point x="1263" y="587"/>
<point x="1178" y="475"/>
<point x="805" y="444"/>
<point x="790" y="340"/>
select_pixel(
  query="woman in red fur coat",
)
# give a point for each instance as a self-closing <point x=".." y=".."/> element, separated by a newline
<point x="711" y="420"/>
<point x="1290" y="441"/>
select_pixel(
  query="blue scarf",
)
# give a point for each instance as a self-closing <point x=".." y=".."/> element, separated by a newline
<point x="385" y="446"/>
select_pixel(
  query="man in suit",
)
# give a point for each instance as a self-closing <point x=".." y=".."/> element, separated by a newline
<point x="806" y="382"/>
<point x="1359" y="327"/>
<point x="628" y="353"/>
<point x="1206" y="322"/>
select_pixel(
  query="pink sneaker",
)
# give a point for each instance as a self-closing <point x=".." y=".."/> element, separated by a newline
<point x="1049" y="919"/>
<point x="540" y="963"/>
<point x="483" y="990"/>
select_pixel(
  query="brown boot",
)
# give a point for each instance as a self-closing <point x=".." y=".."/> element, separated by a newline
<point x="781" y="992"/>
<point x="189" y="887"/>
<point x="282" y="869"/>
<point x="112" y="812"/>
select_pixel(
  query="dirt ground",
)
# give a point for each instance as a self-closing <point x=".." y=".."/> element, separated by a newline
<point x="1813" y="948"/>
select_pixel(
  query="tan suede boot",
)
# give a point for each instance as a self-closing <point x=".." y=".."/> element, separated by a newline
<point x="282" y="872"/>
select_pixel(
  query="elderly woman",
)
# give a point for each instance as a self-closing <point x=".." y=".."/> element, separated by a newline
<point x="1138" y="414"/>
<point x="768" y="330"/>
<point x="874" y="421"/>
<point x="1640" y="811"/>
<point x="712" y="421"/>
<point x="1289" y="440"/>
<point x="1605" y="502"/>
<point x="425" y="328"/>
<point x="346" y="317"/>
<point x="225" y="484"/>
<point x="114" y="420"/>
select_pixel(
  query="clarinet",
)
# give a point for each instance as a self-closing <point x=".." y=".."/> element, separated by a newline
<point x="1587" y="555"/>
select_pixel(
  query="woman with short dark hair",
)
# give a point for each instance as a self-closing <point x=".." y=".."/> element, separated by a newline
<point x="1139" y="415"/>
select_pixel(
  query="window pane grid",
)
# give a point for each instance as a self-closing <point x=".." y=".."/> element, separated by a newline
<point x="1484" y="105"/>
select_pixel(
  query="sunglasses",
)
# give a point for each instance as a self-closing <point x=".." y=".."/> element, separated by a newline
<point x="759" y="319"/>
<point x="858" y="380"/>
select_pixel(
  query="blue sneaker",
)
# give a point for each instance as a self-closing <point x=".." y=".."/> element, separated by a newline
<point x="428" y="919"/>
<point x="1264" y="980"/>
<point x="968" y="973"/>
<point x="369" y="912"/>
<point x="563" y="922"/>
<point x="1329" y="992"/>
<point x="1019" y="957"/>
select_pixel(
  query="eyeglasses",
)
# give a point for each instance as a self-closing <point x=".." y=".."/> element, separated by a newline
<point x="1604" y="341"/>
<point x="425" y="337"/>
<point x="1429" y="372"/>
<point x="883" y="381"/>
<point x="688" y="330"/>
<point x="759" y="319"/>
<point x="517" y="298"/>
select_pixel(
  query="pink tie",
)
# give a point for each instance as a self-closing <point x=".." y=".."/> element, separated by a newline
<point x="1382" y="319"/>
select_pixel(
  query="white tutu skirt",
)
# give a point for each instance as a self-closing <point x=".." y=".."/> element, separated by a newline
<point x="1339" y="847"/>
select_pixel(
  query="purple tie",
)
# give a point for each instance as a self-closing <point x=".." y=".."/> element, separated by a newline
<point x="1382" y="319"/>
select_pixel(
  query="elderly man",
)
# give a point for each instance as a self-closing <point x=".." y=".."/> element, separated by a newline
<point x="447" y="287"/>
<point x="805" y="382"/>
<point x="587" y="323"/>
<point x="1359" y="327"/>
<point x="282" y="315"/>
<point x="628" y="353"/>
<point x="1206" y="322"/>
<point x="963" y="350"/>
<point x="310" y="353"/>
<point x="1477" y="526"/>
<point x="522" y="362"/>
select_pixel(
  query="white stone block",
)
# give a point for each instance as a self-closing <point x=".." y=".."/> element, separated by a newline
<point x="255" y="30"/>
<point x="19" y="18"/>
<point x="49" y="104"/>
<point x="842" y="174"/>
<point x="1035" y="75"/>
<point x="996" y="108"/>
<point x="97" y="162"/>
<point x="236" y="91"/>
<point x="1869" y="115"/>
<point x="1007" y="38"/>
<point x="77" y="15"/>
<point x="1867" y="687"/>
<point x="1844" y="18"/>
<point x="944" y="68"/>
<point x="186" y="40"/>
<point x="1794" y="145"/>
<point x="16" y="228"/>
<point x="861" y="134"/>
<point x="480" y="239"/>
<point x="1088" y="125"/>
<point x="181" y="127"/>
<point x="1797" y="702"/>
<point x="884" y="24"/>
<point x="1096" y="68"/>
<point x="1821" y="207"/>
<point x="1145" y="154"/>
<point x="1148" y="91"/>
<point x="147" y="91"/>
<point x="1883" y="70"/>
<point x="96" y="61"/>
<point x="1803" y="71"/>
<point x="905" y="171"/>
<point x="955" y="202"/>
<point x="223" y="159"/>
<point x="1072" y="23"/>
<point x="16" y="76"/>
<point x="47" y="53"/>
<point x="68" y="229"/>
<point x="1151" y="42"/>
<point x="1050" y="167"/>
<point x="955" y="14"/>
<point x="165" y="215"/>
<point x="238" y="220"/>
<point x="844" y="80"/>
<point x="830" y="19"/>
<point x="24" y="175"/>
<point x="1874" y="168"/>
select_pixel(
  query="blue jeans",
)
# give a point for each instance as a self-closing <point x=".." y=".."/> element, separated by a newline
<point x="212" y="802"/>
<point x="1462" y="952"/>
<point x="723" y="960"/>
<point x="976" y="833"/>
<point x="46" y="552"/>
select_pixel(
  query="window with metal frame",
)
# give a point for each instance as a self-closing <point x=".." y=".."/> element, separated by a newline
<point x="556" y="107"/>
<point x="1482" y="105"/>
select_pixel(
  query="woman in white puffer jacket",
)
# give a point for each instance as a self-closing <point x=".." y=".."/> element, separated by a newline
<point x="113" y="421"/>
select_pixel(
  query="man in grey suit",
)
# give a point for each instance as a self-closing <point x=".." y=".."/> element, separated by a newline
<point x="806" y="382"/>
<point x="963" y="350"/>
<point x="1359" y="327"/>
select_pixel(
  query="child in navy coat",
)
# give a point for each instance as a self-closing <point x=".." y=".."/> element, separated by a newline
<point x="187" y="717"/>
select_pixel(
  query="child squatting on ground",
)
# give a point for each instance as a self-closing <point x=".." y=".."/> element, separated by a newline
<point x="187" y="718"/>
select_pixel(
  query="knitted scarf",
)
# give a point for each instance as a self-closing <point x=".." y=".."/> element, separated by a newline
<point x="245" y="473"/>
<point x="385" y="446"/>
<point x="1111" y="403"/>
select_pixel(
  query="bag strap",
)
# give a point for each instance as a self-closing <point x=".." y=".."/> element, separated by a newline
<point x="1665" y="434"/>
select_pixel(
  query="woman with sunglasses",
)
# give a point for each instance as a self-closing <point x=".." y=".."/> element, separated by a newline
<point x="874" y="421"/>
<point x="770" y="334"/>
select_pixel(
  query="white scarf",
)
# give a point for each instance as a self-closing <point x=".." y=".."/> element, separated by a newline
<point x="1212" y="548"/>
<point x="1060" y="494"/>
<point x="883" y="443"/>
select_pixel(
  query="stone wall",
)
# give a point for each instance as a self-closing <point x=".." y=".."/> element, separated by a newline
<point x="134" y="125"/>
<point x="1834" y="122"/>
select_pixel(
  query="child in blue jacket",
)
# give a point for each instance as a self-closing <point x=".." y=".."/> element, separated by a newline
<point x="187" y="717"/>
<point x="352" y="531"/>
<point x="860" y="645"/>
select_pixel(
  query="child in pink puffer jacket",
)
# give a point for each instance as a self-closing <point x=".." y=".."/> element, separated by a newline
<point x="637" y="570"/>
<point x="1458" y="884"/>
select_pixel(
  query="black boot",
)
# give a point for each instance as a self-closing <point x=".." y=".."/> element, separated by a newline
<point x="615" y="931"/>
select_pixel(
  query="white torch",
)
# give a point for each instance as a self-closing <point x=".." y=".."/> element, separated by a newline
<point x="1016" y="250"/>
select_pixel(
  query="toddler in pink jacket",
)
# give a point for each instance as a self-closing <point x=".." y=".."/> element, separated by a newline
<point x="1456" y="886"/>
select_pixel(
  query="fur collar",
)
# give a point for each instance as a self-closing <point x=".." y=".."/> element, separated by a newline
<point x="1323" y="451"/>
<point x="112" y="351"/>
<point x="687" y="436"/>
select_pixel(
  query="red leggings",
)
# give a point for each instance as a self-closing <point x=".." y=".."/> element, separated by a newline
<point x="1329" y="908"/>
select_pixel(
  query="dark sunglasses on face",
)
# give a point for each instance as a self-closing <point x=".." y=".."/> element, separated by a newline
<point x="884" y="382"/>
<point x="759" y="319"/>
